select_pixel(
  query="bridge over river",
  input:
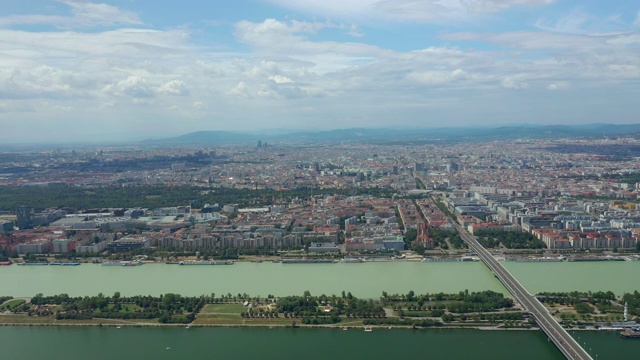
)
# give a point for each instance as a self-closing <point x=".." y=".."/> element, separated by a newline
<point x="556" y="333"/>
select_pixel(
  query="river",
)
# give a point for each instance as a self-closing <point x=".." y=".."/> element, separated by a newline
<point x="243" y="343"/>
<point x="365" y="280"/>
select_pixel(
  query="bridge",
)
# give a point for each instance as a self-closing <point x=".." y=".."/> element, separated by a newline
<point x="556" y="333"/>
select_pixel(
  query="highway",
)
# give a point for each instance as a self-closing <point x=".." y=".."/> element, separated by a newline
<point x="556" y="333"/>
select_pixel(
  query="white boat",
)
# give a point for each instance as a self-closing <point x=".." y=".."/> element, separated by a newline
<point x="368" y="329"/>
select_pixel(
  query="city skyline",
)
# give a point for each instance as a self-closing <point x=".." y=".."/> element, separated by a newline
<point x="119" y="70"/>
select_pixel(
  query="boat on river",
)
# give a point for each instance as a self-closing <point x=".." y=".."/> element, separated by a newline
<point x="540" y="259"/>
<point x="34" y="263"/>
<point x="205" y="263"/>
<point x="66" y="263"/>
<point x="123" y="263"/>
<point x="307" y="261"/>
<point x="631" y="333"/>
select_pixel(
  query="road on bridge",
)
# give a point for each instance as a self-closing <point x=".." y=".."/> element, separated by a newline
<point x="556" y="333"/>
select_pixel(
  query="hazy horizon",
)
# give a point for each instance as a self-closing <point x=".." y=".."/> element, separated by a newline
<point x="126" y="70"/>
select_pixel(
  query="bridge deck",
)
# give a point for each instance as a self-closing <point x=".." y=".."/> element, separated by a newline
<point x="556" y="333"/>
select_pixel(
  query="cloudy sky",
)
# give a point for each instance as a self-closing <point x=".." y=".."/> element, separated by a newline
<point x="132" y="69"/>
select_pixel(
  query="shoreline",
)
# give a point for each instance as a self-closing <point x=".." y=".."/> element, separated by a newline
<point x="280" y="326"/>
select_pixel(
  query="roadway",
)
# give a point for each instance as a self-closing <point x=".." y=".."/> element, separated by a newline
<point x="556" y="333"/>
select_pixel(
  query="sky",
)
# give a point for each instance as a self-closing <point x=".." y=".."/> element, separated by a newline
<point x="75" y="70"/>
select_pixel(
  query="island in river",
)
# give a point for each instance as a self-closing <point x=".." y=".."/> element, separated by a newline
<point x="483" y="309"/>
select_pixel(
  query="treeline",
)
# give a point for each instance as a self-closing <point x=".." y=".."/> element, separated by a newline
<point x="168" y="308"/>
<point x="584" y="302"/>
<point x="4" y="255"/>
<point x="55" y="196"/>
<point x="462" y="302"/>
<point x="402" y="322"/>
<point x="440" y="238"/>
<point x="309" y="306"/>
<point x="509" y="239"/>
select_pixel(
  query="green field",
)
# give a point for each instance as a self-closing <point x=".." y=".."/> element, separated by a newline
<point x="223" y="309"/>
<point x="11" y="304"/>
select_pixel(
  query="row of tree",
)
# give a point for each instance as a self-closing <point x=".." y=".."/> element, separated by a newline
<point x="509" y="239"/>
<point x="158" y="196"/>
<point x="168" y="308"/>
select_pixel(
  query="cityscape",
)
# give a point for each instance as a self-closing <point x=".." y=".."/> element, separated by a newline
<point x="278" y="179"/>
<point x="524" y="201"/>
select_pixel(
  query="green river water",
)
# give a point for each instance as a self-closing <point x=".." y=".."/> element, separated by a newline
<point x="243" y="343"/>
<point x="366" y="280"/>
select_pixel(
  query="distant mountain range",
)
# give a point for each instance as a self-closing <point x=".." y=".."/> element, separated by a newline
<point x="403" y="135"/>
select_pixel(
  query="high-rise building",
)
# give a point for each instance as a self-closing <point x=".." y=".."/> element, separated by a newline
<point x="25" y="217"/>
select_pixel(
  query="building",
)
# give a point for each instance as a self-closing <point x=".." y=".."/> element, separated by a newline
<point x="6" y="226"/>
<point x="62" y="246"/>
<point x="324" y="247"/>
<point x="92" y="249"/>
<point x="25" y="217"/>
<point x="128" y="244"/>
<point x="39" y="246"/>
<point x="178" y="167"/>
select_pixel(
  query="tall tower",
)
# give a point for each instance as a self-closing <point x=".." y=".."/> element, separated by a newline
<point x="25" y="217"/>
<point x="626" y="313"/>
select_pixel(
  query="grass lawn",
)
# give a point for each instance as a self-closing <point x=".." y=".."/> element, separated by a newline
<point x="210" y="320"/>
<point x="11" y="304"/>
<point x="223" y="308"/>
<point x="25" y="319"/>
<point x="280" y="321"/>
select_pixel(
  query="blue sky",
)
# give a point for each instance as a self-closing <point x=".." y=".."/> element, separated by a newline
<point x="131" y="69"/>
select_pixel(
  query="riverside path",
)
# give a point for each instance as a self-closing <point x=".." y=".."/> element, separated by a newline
<point x="556" y="333"/>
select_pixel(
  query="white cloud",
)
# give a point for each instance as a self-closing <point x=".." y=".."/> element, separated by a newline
<point x="625" y="70"/>
<point x="355" y="31"/>
<point x="282" y="40"/>
<point x="439" y="77"/>
<point x="133" y="86"/>
<point x="279" y="79"/>
<point x="399" y="10"/>
<point x="241" y="89"/>
<point x="174" y="87"/>
<point x="558" y="85"/>
<point x="83" y="15"/>
<point x="198" y="105"/>
<point x="515" y="82"/>
<point x="625" y="39"/>
<point x="41" y="81"/>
